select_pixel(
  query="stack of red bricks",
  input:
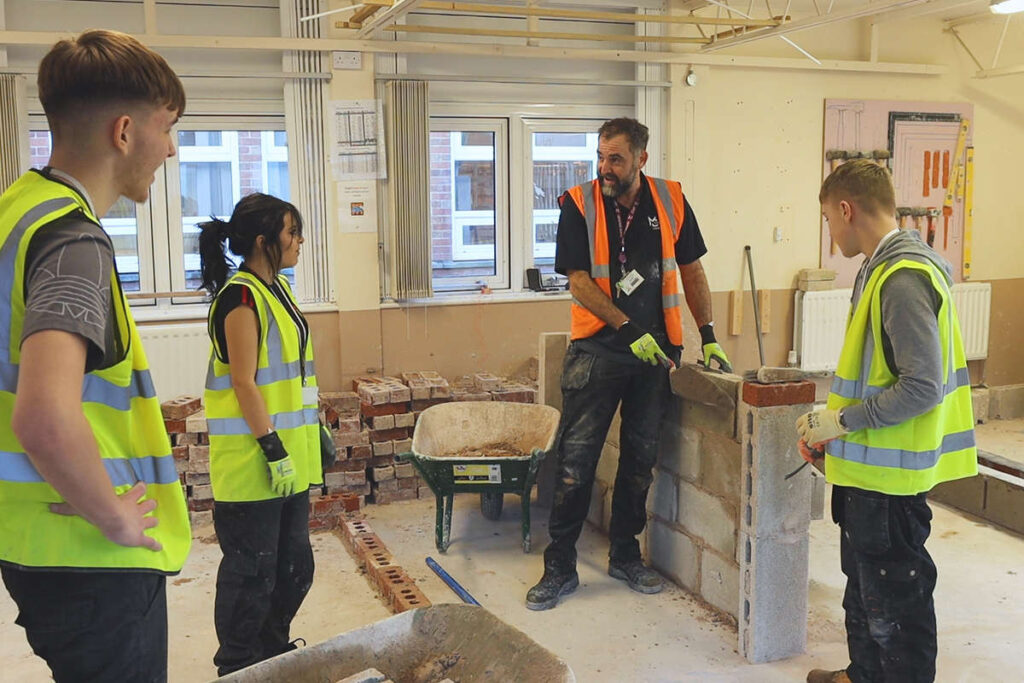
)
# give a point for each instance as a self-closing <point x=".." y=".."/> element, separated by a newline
<point x="340" y="413"/>
<point x="190" y="444"/>
<point x="483" y="386"/>
<point x="397" y="589"/>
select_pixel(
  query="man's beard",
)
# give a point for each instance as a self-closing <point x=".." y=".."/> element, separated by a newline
<point x="621" y="185"/>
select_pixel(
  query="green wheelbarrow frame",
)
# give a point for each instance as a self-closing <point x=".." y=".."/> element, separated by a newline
<point x="517" y="475"/>
<point x="449" y="428"/>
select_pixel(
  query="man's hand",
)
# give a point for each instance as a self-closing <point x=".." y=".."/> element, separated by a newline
<point x="815" y="456"/>
<point x="819" y="427"/>
<point x="712" y="349"/>
<point x="282" y="476"/>
<point x="128" y="528"/>
<point x="643" y="345"/>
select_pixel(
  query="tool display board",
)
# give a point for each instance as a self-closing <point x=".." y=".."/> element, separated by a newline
<point x="917" y="141"/>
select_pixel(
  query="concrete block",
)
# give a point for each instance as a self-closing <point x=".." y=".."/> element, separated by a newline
<point x="981" y="403"/>
<point x="663" y="499"/>
<point x="679" y="451"/>
<point x="964" y="494"/>
<point x="773" y="597"/>
<point x="674" y="554"/>
<point x="708" y="518"/>
<point x="691" y="383"/>
<point x="1004" y="504"/>
<point x="1006" y="402"/>
<point x="693" y="415"/>
<point x="720" y="582"/>
<point x="771" y="503"/>
<point x="721" y="467"/>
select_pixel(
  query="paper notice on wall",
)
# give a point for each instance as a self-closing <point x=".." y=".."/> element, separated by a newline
<point x="357" y="146"/>
<point x="357" y="207"/>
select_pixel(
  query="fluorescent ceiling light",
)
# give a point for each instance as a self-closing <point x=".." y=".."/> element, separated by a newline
<point x="1007" y="6"/>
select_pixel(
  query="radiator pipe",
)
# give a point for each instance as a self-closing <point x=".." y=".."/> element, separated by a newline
<point x="452" y="583"/>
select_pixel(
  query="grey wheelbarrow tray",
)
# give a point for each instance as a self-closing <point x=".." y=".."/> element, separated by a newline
<point x="464" y="643"/>
<point x="449" y="428"/>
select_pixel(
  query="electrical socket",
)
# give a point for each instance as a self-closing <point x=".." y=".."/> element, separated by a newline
<point x="346" y="60"/>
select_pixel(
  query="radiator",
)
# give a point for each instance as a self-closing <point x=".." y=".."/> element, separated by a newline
<point x="819" y="322"/>
<point x="973" y="302"/>
<point x="178" y="355"/>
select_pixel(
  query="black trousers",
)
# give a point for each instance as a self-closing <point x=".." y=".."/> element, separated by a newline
<point x="265" y="573"/>
<point x="890" y="614"/>
<point x="93" y="625"/>
<point x="592" y="389"/>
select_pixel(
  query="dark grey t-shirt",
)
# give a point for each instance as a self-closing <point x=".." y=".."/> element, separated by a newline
<point x="67" y="286"/>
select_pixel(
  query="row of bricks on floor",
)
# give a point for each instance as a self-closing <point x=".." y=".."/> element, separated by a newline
<point x="398" y="590"/>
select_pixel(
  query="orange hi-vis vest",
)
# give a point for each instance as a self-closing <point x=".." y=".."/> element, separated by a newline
<point x="668" y="200"/>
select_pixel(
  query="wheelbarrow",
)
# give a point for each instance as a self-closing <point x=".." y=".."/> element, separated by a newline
<point x="456" y="446"/>
<point x="425" y="645"/>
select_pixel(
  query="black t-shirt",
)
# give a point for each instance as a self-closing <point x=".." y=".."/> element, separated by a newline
<point x="237" y="294"/>
<point x="643" y="253"/>
<point x="67" y="284"/>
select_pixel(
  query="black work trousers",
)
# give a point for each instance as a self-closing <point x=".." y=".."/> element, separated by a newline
<point x="94" y="625"/>
<point x="592" y="389"/>
<point x="265" y="573"/>
<point x="890" y="614"/>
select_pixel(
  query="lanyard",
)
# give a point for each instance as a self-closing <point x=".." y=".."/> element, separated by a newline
<point x="623" y="229"/>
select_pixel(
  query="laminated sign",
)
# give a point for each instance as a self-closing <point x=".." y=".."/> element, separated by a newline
<point x="476" y="474"/>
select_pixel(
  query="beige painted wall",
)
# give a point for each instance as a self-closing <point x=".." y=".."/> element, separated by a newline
<point x="747" y="145"/>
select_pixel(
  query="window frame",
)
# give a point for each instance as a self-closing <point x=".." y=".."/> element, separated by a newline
<point x="499" y="128"/>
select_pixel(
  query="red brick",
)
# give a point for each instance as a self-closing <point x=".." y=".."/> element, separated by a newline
<point x="379" y="460"/>
<point x="383" y="473"/>
<point x="200" y="505"/>
<point x="407" y="420"/>
<point x="180" y="452"/>
<point x="423" y="404"/>
<point x="410" y="483"/>
<point x="382" y="448"/>
<point x="329" y="415"/>
<point x="349" y="423"/>
<point x="781" y="394"/>
<point x="405" y="469"/>
<point x="186" y="439"/>
<point x="175" y="426"/>
<point x="361" y="452"/>
<point x="351" y="501"/>
<point x="398" y="495"/>
<point x="369" y="410"/>
<point x="344" y="439"/>
<point x="470" y="395"/>
<point x="355" y="478"/>
<point x="419" y="389"/>
<point x="376" y="563"/>
<point x="341" y="401"/>
<point x="319" y="524"/>
<point x="388" y="434"/>
<point x="392" y="578"/>
<point x="364" y="544"/>
<point x="196" y="422"/>
<point x="408" y="597"/>
<point x="180" y="408"/>
<point x="350" y="530"/>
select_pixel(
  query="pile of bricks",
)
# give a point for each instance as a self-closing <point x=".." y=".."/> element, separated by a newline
<point x="483" y="386"/>
<point x="397" y="588"/>
<point x="190" y="445"/>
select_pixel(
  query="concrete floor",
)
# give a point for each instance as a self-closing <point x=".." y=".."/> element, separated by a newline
<point x="605" y="631"/>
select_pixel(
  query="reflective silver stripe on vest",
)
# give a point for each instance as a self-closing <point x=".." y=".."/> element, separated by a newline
<point x="896" y="457"/>
<point x="666" y="201"/>
<point x="235" y="426"/>
<point x="668" y="265"/>
<point x="264" y="376"/>
<point x="958" y="379"/>
<point x="670" y="300"/>
<point x="151" y="469"/>
<point x="597" y="271"/>
<point x="95" y="389"/>
<point x="8" y="259"/>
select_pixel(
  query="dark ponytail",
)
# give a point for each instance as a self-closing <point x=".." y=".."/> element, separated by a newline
<point x="256" y="214"/>
<point x="213" y="261"/>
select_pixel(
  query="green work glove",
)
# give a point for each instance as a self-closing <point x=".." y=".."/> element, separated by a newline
<point x="282" y="471"/>
<point x="643" y="345"/>
<point x="712" y="349"/>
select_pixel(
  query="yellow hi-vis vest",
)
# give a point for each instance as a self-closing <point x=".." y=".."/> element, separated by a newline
<point x="238" y="468"/>
<point x="926" y="450"/>
<point x="119" y="403"/>
<point x="668" y="200"/>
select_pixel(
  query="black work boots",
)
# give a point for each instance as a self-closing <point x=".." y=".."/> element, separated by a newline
<point x="640" y="577"/>
<point x="554" y="584"/>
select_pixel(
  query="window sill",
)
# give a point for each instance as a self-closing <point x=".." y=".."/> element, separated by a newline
<point x="195" y="312"/>
<point x="465" y="299"/>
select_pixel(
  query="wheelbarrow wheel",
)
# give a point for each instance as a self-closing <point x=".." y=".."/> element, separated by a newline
<point x="491" y="503"/>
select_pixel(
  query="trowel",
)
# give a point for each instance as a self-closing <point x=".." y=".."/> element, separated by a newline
<point x="696" y="382"/>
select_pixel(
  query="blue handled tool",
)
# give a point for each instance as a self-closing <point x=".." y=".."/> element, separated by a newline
<point x="452" y="583"/>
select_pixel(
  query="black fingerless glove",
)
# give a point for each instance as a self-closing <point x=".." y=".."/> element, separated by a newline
<point x="707" y="334"/>
<point x="273" y="449"/>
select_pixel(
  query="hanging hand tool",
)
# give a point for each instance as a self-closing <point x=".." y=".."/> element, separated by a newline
<point x="927" y="173"/>
<point x="933" y="213"/>
<point x="835" y="158"/>
<point x="935" y="168"/>
<point x="918" y="213"/>
<point x="902" y="212"/>
<point x="881" y="157"/>
<point x="945" y="168"/>
<point x="757" y="312"/>
<point x="968" y="210"/>
<point x="947" y="204"/>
